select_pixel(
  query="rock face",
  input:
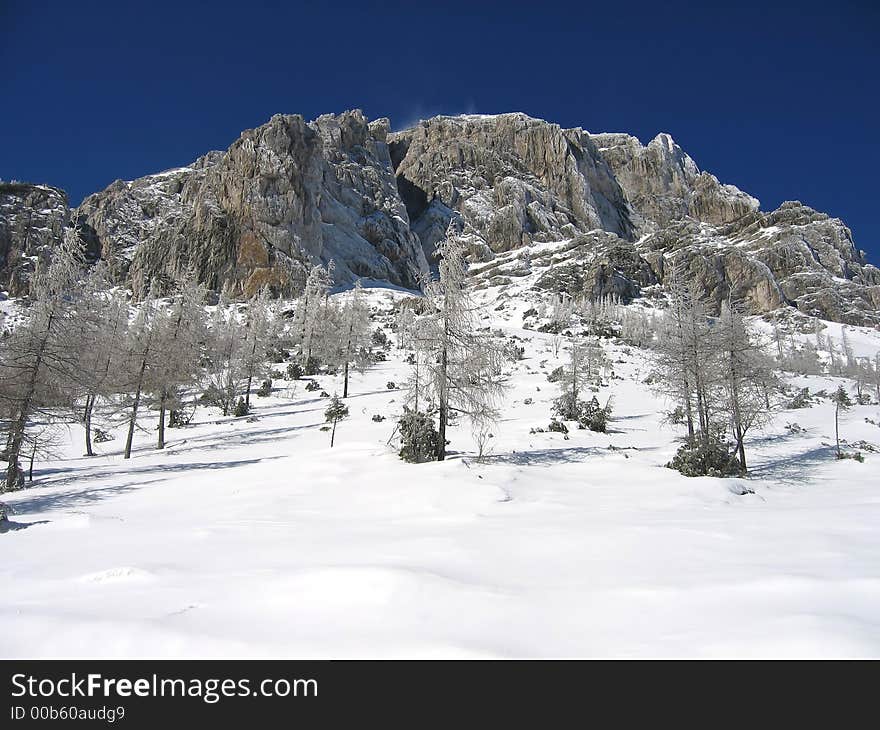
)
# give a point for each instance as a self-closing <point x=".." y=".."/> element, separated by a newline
<point x="512" y="178"/>
<point x="291" y="193"/>
<point x="32" y="219"/>
<point x="283" y="197"/>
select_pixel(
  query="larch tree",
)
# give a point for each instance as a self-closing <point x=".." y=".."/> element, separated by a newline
<point x="225" y="357"/>
<point x="745" y="373"/>
<point x="307" y="320"/>
<point x="179" y="333"/>
<point x="142" y="356"/>
<point x="39" y="359"/>
<point x="354" y="334"/>
<point x="261" y="329"/>
<point x="464" y="365"/>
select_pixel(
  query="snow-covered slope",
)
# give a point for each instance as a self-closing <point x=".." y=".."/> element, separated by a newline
<point x="254" y="538"/>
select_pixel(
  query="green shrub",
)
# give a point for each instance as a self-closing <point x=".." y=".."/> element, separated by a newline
<point x="419" y="440"/>
<point x="712" y="459"/>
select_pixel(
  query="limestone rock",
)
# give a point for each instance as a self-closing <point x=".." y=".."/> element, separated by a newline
<point x="32" y="219"/>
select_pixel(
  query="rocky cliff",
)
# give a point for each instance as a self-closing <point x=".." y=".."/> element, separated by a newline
<point x="292" y="193"/>
<point x="32" y="219"/>
<point x="283" y="197"/>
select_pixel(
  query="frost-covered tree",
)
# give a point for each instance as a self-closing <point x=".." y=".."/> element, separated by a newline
<point x="353" y="334"/>
<point x="260" y="333"/>
<point x="745" y="372"/>
<point x="102" y="328"/>
<point x="179" y="334"/>
<point x="573" y="379"/>
<point x="307" y="321"/>
<point x="464" y="365"/>
<point x="875" y="375"/>
<point x="142" y="356"/>
<point x="686" y="353"/>
<point x="38" y="361"/>
<point x="225" y="350"/>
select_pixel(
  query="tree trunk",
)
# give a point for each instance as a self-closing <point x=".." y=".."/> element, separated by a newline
<point x="87" y="422"/>
<point x="333" y="434"/>
<point x="31" y="465"/>
<point x="247" y="396"/>
<point x="161" y="444"/>
<point x="134" y="409"/>
<point x="345" y="381"/>
<point x="442" y="399"/>
<point x="836" y="428"/>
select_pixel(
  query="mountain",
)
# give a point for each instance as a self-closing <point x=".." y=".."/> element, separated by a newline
<point x="292" y="193"/>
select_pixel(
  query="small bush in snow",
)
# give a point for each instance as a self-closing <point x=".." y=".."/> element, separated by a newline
<point x="312" y="385"/>
<point x="556" y="375"/>
<point x="101" y="436"/>
<point x="594" y="416"/>
<point x="801" y="400"/>
<point x="324" y="394"/>
<point x="557" y="426"/>
<point x="390" y="385"/>
<point x="419" y="440"/>
<point x="313" y="365"/>
<point x="377" y="418"/>
<point x="712" y="459"/>
<point x="241" y="408"/>
<point x="265" y="389"/>
<point x="294" y="371"/>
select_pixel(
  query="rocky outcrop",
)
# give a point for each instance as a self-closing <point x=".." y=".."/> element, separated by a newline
<point x="663" y="184"/>
<point x="32" y="218"/>
<point x="290" y="194"/>
<point x="283" y="197"/>
<point x="512" y="178"/>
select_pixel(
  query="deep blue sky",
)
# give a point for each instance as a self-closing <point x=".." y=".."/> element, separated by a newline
<point x="779" y="99"/>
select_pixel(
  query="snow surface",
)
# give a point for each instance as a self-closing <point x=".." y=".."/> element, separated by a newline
<point x="255" y="539"/>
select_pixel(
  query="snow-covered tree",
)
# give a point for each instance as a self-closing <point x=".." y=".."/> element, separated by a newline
<point x="745" y="372"/>
<point x="464" y="365"/>
<point x="142" y="355"/>
<point x="260" y="333"/>
<point x="686" y="353"/>
<point x="353" y="335"/>
<point x="307" y="321"/>
<point x="102" y="327"/>
<point x="226" y="374"/>
<point x="38" y="361"/>
<point x="179" y="334"/>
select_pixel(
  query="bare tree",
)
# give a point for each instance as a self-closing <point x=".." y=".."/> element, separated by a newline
<point x="225" y="357"/>
<point x="38" y="361"/>
<point x="261" y="329"/>
<point x="179" y="332"/>
<point x="355" y="332"/>
<point x="746" y="373"/>
<point x="463" y="364"/>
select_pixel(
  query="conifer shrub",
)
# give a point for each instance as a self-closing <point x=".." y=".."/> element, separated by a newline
<point x="705" y="459"/>
<point x="419" y="440"/>
<point x="294" y="371"/>
<point x="241" y="408"/>
<point x="265" y="389"/>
